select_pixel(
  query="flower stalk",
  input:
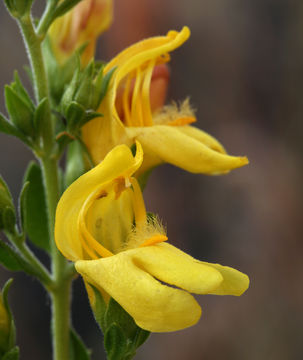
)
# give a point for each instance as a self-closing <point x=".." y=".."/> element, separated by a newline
<point x="60" y="292"/>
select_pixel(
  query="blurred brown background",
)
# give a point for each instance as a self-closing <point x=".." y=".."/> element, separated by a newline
<point x="243" y="70"/>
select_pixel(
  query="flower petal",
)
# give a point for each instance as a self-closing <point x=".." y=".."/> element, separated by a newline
<point x="234" y="282"/>
<point x="176" y="147"/>
<point x="154" y="306"/>
<point x="172" y="267"/>
<point x="118" y="163"/>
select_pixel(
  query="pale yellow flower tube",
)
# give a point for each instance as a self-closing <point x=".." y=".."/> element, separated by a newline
<point x="95" y="228"/>
<point x="165" y="134"/>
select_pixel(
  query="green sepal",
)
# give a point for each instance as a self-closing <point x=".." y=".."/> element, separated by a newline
<point x="10" y="4"/>
<point x="33" y="208"/>
<point x="78" y="350"/>
<point x="89" y="115"/>
<point x="12" y="329"/>
<point x="9" y="219"/>
<point x="19" y="88"/>
<point x="7" y="209"/>
<point x="134" y="334"/>
<point x="99" y="308"/>
<point x="74" y="115"/>
<point x="115" y="343"/>
<point x="8" y="128"/>
<point x="20" y="111"/>
<point x="74" y="163"/>
<point x="105" y="83"/>
<point x="122" y="336"/>
<point x="22" y="203"/>
<point x="85" y="91"/>
<point x="13" y="354"/>
<point x="60" y="74"/>
<point x="13" y="261"/>
<point x="64" y="7"/>
<point x="40" y="116"/>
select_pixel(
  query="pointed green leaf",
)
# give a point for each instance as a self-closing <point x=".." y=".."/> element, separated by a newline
<point x="78" y="349"/>
<point x="74" y="115"/>
<point x="12" y="328"/>
<point x="9" y="258"/>
<point x="8" y="128"/>
<point x="75" y="163"/>
<point x="34" y="208"/>
<point x="22" y="202"/>
<point x="7" y="209"/>
<point x="8" y="219"/>
<point x="41" y="115"/>
<point x="13" y="261"/>
<point x="21" y="91"/>
<point x="20" y="112"/>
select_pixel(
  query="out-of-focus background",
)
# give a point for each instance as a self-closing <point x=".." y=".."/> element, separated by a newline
<point x="243" y="71"/>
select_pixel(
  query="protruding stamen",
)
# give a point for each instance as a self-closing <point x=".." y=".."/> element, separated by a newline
<point x="125" y="100"/>
<point x="156" y="239"/>
<point x="138" y="203"/>
<point x="147" y="115"/>
<point x="136" y="108"/>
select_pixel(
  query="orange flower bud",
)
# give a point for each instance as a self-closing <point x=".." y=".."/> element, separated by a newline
<point x="83" y="24"/>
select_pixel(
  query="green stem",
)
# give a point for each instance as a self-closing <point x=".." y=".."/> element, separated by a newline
<point x="31" y="258"/>
<point x="47" y="18"/>
<point x="60" y="293"/>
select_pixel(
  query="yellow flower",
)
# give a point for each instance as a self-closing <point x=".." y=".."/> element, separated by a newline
<point x="5" y="325"/>
<point x="165" y="133"/>
<point x="102" y="225"/>
<point x="83" y="24"/>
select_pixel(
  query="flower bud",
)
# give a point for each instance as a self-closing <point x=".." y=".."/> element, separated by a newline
<point x="7" y="210"/>
<point x="82" y="25"/>
<point x="5" y="326"/>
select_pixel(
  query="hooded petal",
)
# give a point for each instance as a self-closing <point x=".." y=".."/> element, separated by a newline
<point x="177" y="268"/>
<point x="181" y="148"/>
<point x="234" y="282"/>
<point x="154" y="306"/>
<point x="118" y="163"/>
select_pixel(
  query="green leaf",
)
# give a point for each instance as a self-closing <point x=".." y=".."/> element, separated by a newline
<point x="8" y="219"/>
<point x="41" y="115"/>
<point x="74" y="115"/>
<point x="8" y="128"/>
<point x="115" y="343"/>
<point x="13" y="354"/>
<point x="75" y="163"/>
<point x="12" y="329"/>
<point x="33" y="208"/>
<point x="20" y="112"/>
<point x="9" y="258"/>
<point x="13" y="261"/>
<point x="21" y="91"/>
<point x="7" y="209"/>
<point x="78" y="350"/>
<point x="22" y="201"/>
